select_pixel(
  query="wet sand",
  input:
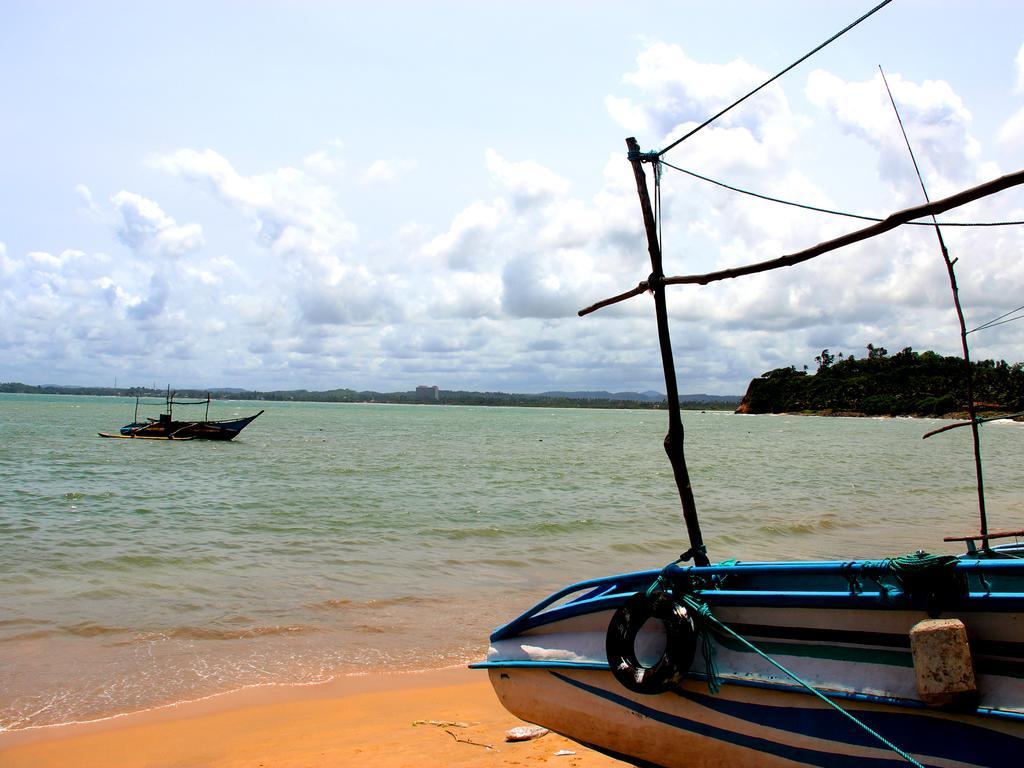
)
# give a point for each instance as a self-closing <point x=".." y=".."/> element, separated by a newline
<point x="373" y="720"/>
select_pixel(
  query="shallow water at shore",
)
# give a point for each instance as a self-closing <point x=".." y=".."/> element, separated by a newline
<point x="334" y="538"/>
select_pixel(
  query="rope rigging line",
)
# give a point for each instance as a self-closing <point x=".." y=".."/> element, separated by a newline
<point x="770" y="80"/>
<point x="1000" y="320"/>
<point x="830" y="211"/>
<point x="994" y="324"/>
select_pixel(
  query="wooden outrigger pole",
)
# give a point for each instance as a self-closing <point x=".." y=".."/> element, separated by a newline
<point x="675" y="436"/>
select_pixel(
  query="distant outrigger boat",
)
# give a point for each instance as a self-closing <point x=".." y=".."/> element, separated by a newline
<point x="913" y="660"/>
<point x="165" y="427"/>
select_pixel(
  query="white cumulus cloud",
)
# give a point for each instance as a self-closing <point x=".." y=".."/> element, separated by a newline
<point x="936" y="119"/>
<point x="145" y="228"/>
<point x="677" y="91"/>
<point x="528" y="183"/>
<point x="386" y="171"/>
<point x="298" y="219"/>
<point x="469" y="242"/>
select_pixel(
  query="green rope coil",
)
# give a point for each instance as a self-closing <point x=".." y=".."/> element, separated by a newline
<point x="931" y="579"/>
<point x="922" y="562"/>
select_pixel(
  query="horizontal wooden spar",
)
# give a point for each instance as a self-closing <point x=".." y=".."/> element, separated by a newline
<point x="890" y="222"/>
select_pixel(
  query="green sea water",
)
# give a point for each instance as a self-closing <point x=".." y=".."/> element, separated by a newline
<point x="330" y="539"/>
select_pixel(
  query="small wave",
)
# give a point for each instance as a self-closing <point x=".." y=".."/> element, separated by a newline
<point x="20" y="578"/>
<point x="478" y="562"/>
<point x="459" y="534"/>
<point x="504" y="562"/>
<point x="36" y="634"/>
<point x="569" y="527"/>
<point x="386" y="603"/>
<point x="731" y="538"/>
<point x="373" y="630"/>
<point x="272" y="527"/>
<point x="100" y="593"/>
<point x="89" y="629"/>
<point x="404" y="600"/>
<point x="539" y="528"/>
<point x="23" y="623"/>
<point x="210" y="633"/>
<point x="139" y="561"/>
<point x="632" y="547"/>
<point x="330" y="604"/>
<point x="806" y="526"/>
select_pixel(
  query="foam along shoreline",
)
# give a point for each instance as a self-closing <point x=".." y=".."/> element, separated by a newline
<point x="352" y="721"/>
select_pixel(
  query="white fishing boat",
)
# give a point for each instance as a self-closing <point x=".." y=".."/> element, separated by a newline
<point x="913" y="660"/>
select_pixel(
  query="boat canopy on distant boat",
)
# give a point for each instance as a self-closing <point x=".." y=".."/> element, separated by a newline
<point x="165" y="427"/>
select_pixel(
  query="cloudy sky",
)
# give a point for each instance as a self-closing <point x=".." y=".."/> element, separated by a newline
<point x="282" y="195"/>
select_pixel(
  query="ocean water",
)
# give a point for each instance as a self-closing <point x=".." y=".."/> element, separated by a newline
<point x="335" y="539"/>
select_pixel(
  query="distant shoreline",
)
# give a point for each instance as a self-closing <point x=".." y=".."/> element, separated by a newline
<point x="601" y="400"/>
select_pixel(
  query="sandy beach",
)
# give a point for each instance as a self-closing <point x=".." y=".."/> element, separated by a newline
<point x="424" y="719"/>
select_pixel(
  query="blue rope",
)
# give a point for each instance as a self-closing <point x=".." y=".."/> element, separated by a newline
<point x="702" y="610"/>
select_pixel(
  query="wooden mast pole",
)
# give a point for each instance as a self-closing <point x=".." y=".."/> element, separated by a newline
<point x="674" y="438"/>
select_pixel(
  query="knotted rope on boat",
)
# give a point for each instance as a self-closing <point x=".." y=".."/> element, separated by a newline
<point x="929" y="579"/>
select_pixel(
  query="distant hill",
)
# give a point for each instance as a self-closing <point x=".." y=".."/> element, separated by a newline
<point x="649" y="396"/>
<point x="645" y="397"/>
<point x="702" y="398"/>
<point x="596" y="399"/>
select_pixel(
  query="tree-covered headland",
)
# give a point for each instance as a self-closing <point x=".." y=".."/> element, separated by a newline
<point x="908" y="383"/>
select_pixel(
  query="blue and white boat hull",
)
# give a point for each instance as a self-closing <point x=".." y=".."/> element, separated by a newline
<point x="843" y="628"/>
<point x="744" y="725"/>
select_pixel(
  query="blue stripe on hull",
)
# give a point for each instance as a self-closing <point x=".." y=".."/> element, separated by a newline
<point x="913" y="733"/>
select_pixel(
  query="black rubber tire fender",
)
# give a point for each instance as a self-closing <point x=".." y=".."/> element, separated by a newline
<point x="680" y="643"/>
